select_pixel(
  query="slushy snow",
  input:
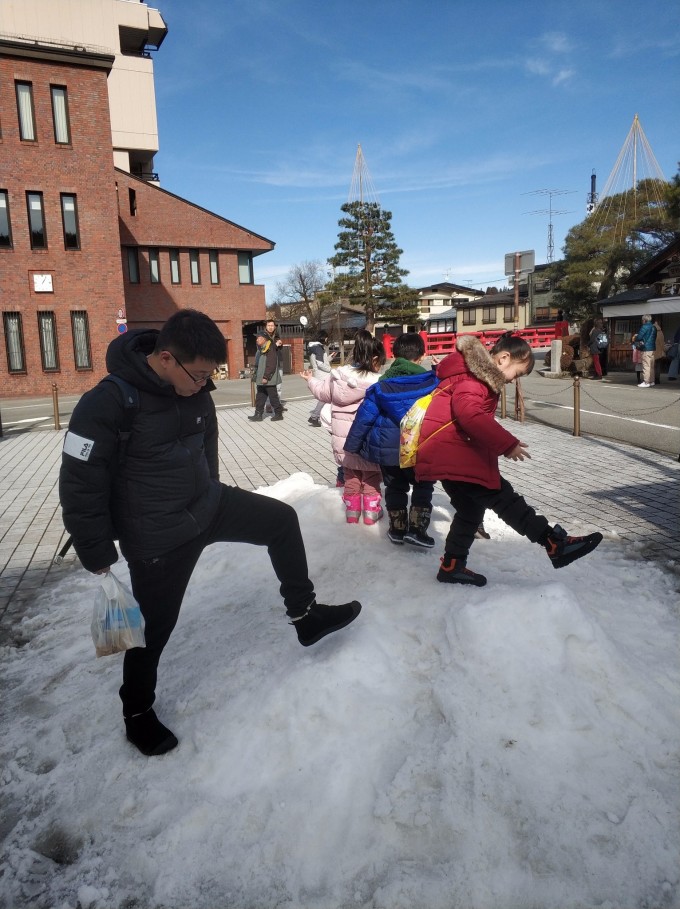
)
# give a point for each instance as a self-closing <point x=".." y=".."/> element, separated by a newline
<point x="484" y="748"/>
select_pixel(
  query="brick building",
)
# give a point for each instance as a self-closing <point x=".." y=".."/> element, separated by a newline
<point x="88" y="248"/>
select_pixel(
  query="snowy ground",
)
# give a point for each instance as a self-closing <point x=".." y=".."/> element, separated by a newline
<point x="511" y="746"/>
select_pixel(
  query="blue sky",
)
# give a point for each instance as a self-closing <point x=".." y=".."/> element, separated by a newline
<point x="463" y="110"/>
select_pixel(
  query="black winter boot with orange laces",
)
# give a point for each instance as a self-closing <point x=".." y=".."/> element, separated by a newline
<point x="454" y="571"/>
<point x="563" y="550"/>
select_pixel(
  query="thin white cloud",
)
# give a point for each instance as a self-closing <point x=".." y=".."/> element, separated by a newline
<point x="564" y="75"/>
<point x="557" y="43"/>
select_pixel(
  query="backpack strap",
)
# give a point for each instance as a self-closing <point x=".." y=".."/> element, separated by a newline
<point x="130" y="396"/>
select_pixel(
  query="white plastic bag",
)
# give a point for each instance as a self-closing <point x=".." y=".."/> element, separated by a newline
<point x="117" y="621"/>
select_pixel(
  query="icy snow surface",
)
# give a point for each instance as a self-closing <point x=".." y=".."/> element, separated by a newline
<point x="511" y="746"/>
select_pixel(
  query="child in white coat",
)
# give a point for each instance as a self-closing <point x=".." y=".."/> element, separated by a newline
<point x="344" y="390"/>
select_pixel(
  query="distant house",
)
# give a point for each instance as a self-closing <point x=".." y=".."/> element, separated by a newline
<point x="437" y="303"/>
<point x="654" y="289"/>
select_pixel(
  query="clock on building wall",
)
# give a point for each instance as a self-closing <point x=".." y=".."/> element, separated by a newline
<point x="42" y="283"/>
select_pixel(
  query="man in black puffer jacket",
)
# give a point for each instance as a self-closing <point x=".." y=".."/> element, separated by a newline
<point x="162" y="499"/>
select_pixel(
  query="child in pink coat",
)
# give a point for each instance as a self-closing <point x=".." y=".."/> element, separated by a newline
<point x="344" y="390"/>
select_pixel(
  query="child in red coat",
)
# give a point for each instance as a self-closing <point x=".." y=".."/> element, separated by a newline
<point x="460" y="443"/>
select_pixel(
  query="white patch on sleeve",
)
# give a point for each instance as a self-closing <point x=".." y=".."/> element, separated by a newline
<point x="78" y="447"/>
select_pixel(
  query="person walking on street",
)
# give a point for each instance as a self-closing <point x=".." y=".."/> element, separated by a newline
<point x="645" y="341"/>
<point x="598" y="342"/>
<point x="274" y="336"/>
<point x="266" y="378"/>
<point x="161" y="498"/>
<point x="659" y="351"/>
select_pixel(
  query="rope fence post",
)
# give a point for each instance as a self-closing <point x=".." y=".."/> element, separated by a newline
<point x="577" y="406"/>
<point x="519" y="402"/>
<point x="55" y="405"/>
<point x="504" y="403"/>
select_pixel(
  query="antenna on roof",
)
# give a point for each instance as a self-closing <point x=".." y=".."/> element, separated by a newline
<point x="550" y="212"/>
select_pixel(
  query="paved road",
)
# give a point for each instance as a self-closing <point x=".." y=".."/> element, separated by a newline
<point x="614" y="408"/>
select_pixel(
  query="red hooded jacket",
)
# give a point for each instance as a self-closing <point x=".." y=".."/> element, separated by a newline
<point x="460" y="438"/>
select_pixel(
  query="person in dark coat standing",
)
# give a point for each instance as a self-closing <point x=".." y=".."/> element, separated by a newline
<point x="460" y="443"/>
<point x="267" y="378"/>
<point x="162" y="499"/>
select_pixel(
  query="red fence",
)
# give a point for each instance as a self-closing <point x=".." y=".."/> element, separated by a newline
<point x="444" y="342"/>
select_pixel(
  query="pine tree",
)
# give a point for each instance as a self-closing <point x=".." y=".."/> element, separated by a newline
<point x="369" y="256"/>
<point x="602" y="251"/>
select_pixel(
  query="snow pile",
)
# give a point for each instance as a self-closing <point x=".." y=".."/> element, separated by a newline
<point x="509" y="746"/>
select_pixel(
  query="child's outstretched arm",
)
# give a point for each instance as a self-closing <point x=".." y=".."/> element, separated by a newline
<point x="518" y="453"/>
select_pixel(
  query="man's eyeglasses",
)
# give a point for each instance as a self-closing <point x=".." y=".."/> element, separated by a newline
<point x="198" y="380"/>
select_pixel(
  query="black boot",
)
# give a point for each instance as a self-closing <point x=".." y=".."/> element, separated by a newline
<point x="277" y="416"/>
<point x="398" y="524"/>
<point x="147" y="733"/>
<point x="454" y="571"/>
<point x="563" y="550"/>
<point x="418" y="522"/>
<point x="320" y="620"/>
<point x="257" y="417"/>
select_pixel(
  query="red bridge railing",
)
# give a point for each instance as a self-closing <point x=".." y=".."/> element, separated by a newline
<point x="445" y="342"/>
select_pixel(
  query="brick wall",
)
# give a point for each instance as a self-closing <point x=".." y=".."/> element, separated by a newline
<point x="87" y="279"/>
<point x="94" y="278"/>
<point x="163" y="221"/>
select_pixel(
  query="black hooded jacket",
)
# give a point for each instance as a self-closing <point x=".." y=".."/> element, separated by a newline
<point x="163" y="489"/>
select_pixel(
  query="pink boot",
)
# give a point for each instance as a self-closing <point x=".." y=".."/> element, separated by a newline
<point x="372" y="509"/>
<point x="353" y="508"/>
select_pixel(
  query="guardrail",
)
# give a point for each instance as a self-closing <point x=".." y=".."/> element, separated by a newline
<point x="445" y="342"/>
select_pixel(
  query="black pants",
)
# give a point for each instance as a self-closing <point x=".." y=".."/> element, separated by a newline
<point x="159" y="584"/>
<point x="398" y="481"/>
<point x="267" y="393"/>
<point x="471" y="501"/>
<point x="604" y="359"/>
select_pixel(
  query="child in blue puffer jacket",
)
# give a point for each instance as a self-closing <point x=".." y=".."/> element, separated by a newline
<point x="375" y="436"/>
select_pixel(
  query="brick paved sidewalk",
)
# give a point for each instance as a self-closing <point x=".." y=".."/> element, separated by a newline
<point x="580" y="483"/>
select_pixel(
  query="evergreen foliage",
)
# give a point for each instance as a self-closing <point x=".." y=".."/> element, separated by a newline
<point x="601" y="252"/>
<point x="367" y="258"/>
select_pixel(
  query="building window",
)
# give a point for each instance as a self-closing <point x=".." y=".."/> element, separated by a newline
<point x="62" y="131"/>
<point x="194" y="266"/>
<point x="469" y="316"/>
<point x="132" y="198"/>
<point x="69" y="217"/>
<point x="488" y="315"/>
<point x="5" y="224"/>
<point x="36" y="220"/>
<point x="509" y="312"/>
<point x="133" y="265"/>
<point x="81" y="340"/>
<point x="25" y="109"/>
<point x="47" y="330"/>
<point x="14" y="342"/>
<point x="154" y="267"/>
<point x="174" y="266"/>
<point x="245" y="268"/>
<point x="214" y="267"/>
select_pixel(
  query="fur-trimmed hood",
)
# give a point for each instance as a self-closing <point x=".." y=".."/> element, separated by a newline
<point x="471" y="356"/>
